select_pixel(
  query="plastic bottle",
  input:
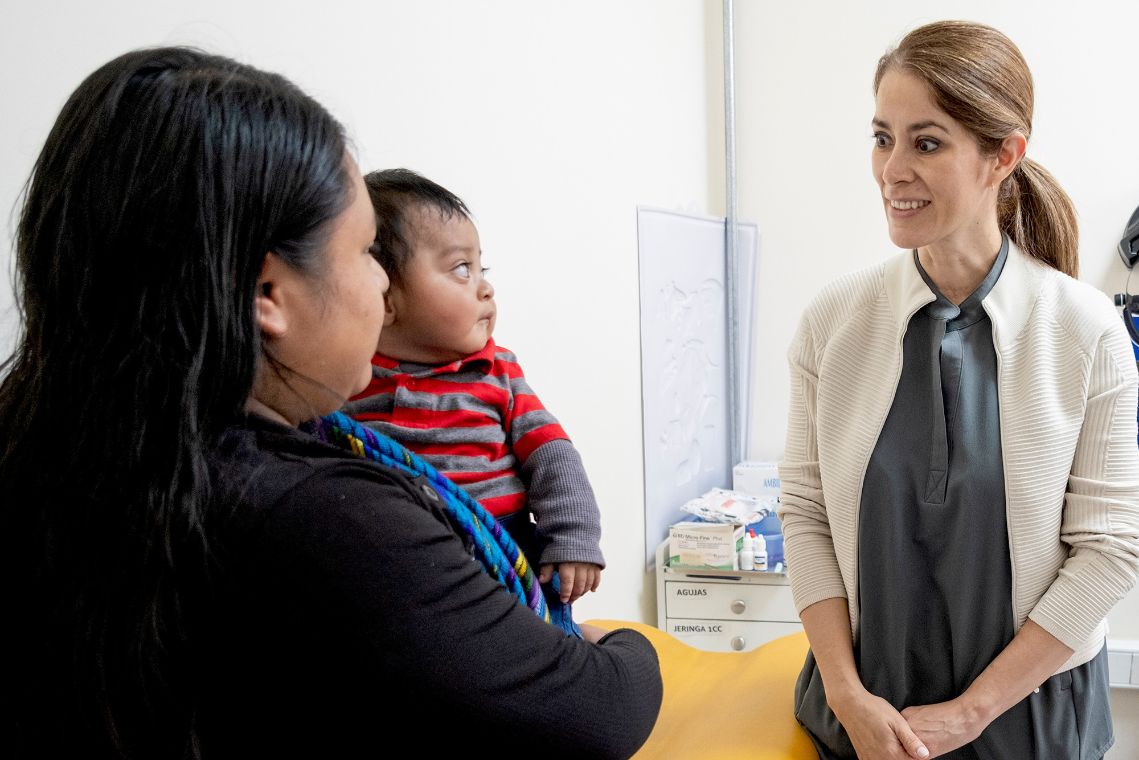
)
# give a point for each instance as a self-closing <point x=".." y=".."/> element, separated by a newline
<point x="759" y="551"/>
<point x="747" y="553"/>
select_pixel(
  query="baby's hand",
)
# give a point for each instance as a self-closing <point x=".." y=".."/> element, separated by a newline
<point x="576" y="578"/>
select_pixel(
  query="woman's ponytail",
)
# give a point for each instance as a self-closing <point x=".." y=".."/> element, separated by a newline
<point x="1039" y="217"/>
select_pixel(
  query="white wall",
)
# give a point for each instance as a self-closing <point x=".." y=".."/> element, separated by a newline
<point x="552" y="120"/>
<point x="804" y="104"/>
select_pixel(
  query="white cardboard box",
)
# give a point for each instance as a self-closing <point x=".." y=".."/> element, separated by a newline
<point x="756" y="478"/>
<point x="705" y="545"/>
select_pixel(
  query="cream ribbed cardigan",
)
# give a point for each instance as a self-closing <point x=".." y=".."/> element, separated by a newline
<point x="1067" y="387"/>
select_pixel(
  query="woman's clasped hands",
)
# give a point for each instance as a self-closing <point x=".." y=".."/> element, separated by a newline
<point x="879" y="732"/>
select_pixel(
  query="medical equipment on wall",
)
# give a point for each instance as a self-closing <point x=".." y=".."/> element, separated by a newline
<point x="1129" y="245"/>
<point x="1129" y="252"/>
<point x="1130" y="306"/>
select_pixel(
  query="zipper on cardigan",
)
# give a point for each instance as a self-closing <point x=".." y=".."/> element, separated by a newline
<point x="1004" y="473"/>
<point x="898" y="355"/>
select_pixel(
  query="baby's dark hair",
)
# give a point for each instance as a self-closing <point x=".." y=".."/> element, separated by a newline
<point x="394" y="193"/>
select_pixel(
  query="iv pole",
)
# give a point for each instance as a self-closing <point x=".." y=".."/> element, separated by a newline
<point x="736" y="444"/>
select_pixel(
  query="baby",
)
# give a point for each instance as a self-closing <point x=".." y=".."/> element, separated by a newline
<point x="445" y="390"/>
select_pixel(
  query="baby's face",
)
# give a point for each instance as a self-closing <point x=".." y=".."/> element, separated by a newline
<point x="444" y="306"/>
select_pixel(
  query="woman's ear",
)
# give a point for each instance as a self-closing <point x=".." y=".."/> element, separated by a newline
<point x="1009" y="156"/>
<point x="268" y="304"/>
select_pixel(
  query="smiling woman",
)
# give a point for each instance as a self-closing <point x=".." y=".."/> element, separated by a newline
<point x="938" y="187"/>
<point x="960" y="502"/>
<point x="965" y="89"/>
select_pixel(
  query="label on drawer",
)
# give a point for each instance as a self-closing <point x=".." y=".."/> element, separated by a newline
<point x="727" y="635"/>
<point x="729" y="601"/>
<point x="695" y="626"/>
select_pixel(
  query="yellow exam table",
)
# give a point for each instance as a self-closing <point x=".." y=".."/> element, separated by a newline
<point x="725" y="705"/>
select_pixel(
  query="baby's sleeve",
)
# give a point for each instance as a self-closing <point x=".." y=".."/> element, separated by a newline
<point x="559" y="495"/>
<point x="557" y="489"/>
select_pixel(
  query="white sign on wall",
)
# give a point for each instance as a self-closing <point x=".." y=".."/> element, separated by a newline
<point x="684" y="370"/>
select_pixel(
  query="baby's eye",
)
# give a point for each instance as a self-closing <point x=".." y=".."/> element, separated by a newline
<point x="463" y="270"/>
<point x="881" y="140"/>
<point x="927" y="145"/>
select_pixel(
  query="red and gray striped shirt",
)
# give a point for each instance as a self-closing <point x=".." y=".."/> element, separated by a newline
<point x="476" y="420"/>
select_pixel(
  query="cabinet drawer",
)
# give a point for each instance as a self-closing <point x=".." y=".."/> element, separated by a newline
<point x="724" y="601"/>
<point x="727" y="635"/>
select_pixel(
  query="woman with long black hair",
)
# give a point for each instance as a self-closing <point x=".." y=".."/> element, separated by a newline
<point x="188" y="573"/>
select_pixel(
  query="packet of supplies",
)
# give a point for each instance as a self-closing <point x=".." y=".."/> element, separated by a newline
<point x="705" y="545"/>
<point x="722" y="506"/>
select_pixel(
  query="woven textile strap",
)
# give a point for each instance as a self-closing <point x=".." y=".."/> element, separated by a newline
<point x="494" y="548"/>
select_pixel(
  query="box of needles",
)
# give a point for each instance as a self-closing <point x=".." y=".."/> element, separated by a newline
<point x="705" y="545"/>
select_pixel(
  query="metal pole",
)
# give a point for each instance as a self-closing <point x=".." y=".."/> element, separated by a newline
<point x="735" y="442"/>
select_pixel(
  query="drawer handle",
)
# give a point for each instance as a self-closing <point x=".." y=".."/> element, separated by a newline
<point x="738" y="643"/>
<point x="738" y="606"/>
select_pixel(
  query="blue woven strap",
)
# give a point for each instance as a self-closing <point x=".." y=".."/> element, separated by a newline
<point x="499" y="555"/>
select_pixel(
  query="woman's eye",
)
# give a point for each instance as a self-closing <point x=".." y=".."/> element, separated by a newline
<point x="881" y="140"/>
<point x="373" y="249"/>
<point x="463" y="270"/>
<point x="927" y="145"/>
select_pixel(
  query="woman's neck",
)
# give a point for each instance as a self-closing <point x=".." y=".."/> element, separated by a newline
<point x="254" y="406"/>
<point x="958" y="268"/>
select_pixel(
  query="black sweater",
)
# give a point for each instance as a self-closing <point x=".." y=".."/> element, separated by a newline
<point x="352" y="620"/>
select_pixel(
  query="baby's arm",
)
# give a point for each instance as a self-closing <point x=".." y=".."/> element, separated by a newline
<point x="568" y="520"/>
<point x="557" y="490"/>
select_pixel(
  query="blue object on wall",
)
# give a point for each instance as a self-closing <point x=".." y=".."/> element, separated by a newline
<point x="1134" y="345"/>
<point x="1129" y="314"/>
<point x="1130" y="307"/>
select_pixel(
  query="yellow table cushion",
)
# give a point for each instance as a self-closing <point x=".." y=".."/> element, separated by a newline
<point x="725" y="705"/>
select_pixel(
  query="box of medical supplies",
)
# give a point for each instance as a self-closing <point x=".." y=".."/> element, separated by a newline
<point x="705" y="545"/>
<point x="761" y="479"/>
<point x="756" y="478"/>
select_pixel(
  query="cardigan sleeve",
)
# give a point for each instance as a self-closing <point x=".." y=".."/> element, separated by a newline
<point x="811" y="562"/>
<point x="1100" y="520"/>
